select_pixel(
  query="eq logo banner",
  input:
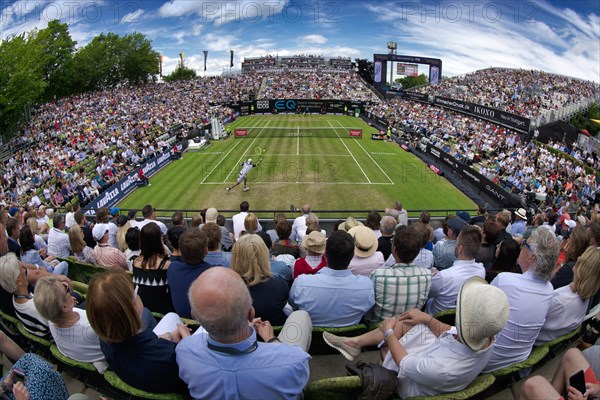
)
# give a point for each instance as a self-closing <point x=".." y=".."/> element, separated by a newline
<point x="285" y="104"/>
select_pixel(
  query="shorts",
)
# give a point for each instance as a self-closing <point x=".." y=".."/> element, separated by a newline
<point x="241" y="178"/>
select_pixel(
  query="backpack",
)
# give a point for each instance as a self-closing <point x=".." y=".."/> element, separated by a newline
<point x="378" y="382"/>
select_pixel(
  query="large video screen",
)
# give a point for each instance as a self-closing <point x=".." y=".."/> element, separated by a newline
<point x="384" y="72"/>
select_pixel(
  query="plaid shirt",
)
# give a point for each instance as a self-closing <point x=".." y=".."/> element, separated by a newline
<point x="399" y="288"/>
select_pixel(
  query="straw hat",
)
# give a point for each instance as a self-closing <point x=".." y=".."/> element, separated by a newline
<point x="315" y="242"/>
<point x="521" y="213"/>
<point x="365" y="241"/>
<point x="211" y="215"/>
<point x="349" y="224"/>
<point x="481" y="311"/>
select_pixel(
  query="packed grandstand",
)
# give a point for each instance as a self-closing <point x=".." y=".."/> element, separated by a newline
<point x="74" y="149"/>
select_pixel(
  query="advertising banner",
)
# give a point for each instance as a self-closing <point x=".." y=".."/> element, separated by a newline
<point x="473" y="177"/>
<point x="414" y="96"/>
<point x="117" y="192"/>
<point x="503" y="118"/>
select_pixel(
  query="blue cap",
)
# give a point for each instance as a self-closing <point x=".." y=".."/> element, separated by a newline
<point x="114" y="211"/>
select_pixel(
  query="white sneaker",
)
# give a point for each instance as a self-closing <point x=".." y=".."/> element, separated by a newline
<point x="246" y="189"/>
<point x="228" y="189"/>
<point x="149" y="184"/>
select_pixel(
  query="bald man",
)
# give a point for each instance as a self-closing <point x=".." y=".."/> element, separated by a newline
<point x="228" y="362"/>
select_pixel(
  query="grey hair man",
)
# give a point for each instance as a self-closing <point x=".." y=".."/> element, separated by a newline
<point x="387" y="225"/>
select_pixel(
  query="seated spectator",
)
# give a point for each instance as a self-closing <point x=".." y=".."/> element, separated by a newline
<point x="278" y="268"/>
<point x="30" y="255"/>
<point x="250" y="259"/>
<point x="212" y="215"/>
<point x="40" y="243"/>
<point x="215" y="255"/>
<point x="69" y="325"/>
<point x="238" y="220"/>
<point x="132" y="238"/>
<point x="41" y="381"/>
<point x="299" y="225"/>
<point x="529" y="295"/>
<point x="570" y="303"/>
<point x="123" y="226"/>
<point x="103" y="216"/>
<point x="14" y="279"/>
<point x="430" y="357"/>
<point x="519" y="227"/>
<point x="284" y="245"/>
<point x="82" y="252"/>
<point x="399" y="213"/>
<point x="231" y="361"/>
<point x="507" y="254"/>
<point x="334" y="296"/>
<point x="106" y="255"/>
<point x="85" y="228"/>
<point x="425" y="257"/>
<point x="193" y="246"/>
<point x="250" y="224"/>
<point x="537" y="387"/>
<point x="366" y="257"/>
<point x="177" y="219"/>
<point x="487" y="251"/>
<point x="58" y="240"/>
<point x="373" y="221"/>
<point x="503" y="221"/>
<point x="149" y="214"/>
<point x="273" y="232"/>
<point x="138" y="356"/>
<point x="576" y="244"/>
<point x="405" y="285"/>
<point x="387" y="226"/>
<point x="143" y="180"/>
<point x="446" y="284"/>
<point x="173" y="235"/>
<point x="150" y="271"/>
<point x="443" y="252"/>
<point x="314" y="244"/>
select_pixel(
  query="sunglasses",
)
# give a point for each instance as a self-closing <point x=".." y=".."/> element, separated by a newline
<point x="525" y="244"/>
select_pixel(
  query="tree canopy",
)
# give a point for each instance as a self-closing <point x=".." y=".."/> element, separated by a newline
<point x="181" y="73"/>
<point x="43" y="65"/>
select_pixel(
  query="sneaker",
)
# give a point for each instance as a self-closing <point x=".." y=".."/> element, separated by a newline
<point x="337" y="342"/>
<point x="246" y="189"/>
<point x="228" y="189"/>
<point x="149" y="184"/>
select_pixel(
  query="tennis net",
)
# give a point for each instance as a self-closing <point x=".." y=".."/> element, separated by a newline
<point x="296" y="131"/>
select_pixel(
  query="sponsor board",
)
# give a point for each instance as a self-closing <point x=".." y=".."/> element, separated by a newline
<point x="241" y="132"/>
<point x="355" y="132"/>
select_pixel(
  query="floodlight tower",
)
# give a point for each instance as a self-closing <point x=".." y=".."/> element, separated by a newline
<point x="392" y="46"/>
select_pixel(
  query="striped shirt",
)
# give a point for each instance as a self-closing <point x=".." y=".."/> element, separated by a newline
<point x="399" y="288"/>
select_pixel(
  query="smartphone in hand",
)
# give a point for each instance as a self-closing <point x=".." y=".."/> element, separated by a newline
<point x="18" y="376"/>
<point x="577" y="381"/>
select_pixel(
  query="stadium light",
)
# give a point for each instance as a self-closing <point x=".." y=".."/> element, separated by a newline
<point x="392" y="46"/>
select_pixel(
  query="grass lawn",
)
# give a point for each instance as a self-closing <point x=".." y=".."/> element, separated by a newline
<point x="307" y="159"/>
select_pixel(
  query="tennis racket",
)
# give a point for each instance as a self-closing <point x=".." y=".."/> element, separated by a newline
<point x="259" y="152"/>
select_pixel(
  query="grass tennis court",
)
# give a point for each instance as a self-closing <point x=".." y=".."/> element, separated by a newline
<point x="305" y="159"/>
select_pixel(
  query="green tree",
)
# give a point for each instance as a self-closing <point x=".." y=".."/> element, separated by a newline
<point x="181" y="73"/>
<point x="54" y="49"/>
<point x="413" y="81"/>
<point x="140" y="62"/>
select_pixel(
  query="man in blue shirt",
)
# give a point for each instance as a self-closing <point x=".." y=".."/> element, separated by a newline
<point x="181" y="274"/>
<point x="228" y="362"/>
<point x="334" y="296"/>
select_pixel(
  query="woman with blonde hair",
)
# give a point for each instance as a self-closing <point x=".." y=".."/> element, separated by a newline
<point x="40" y="243"/>
<point x="83" y="253"/>
<point x="250" y="224"/>
<point x="124" y="225"/>
<point x="570" y="303"/>
<point x="137" y="355"/>
<point x="576" y="244"/>
<point x="250" y="259"/>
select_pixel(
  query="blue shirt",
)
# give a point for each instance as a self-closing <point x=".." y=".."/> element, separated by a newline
<point x="272" y="371"/>
<point x="180" y="277"/>
<point x="221" y="258"/>
<point x="281" y="269"/>
<point x="333" y="298"/>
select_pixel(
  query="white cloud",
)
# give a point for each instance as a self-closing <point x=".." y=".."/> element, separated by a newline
<point x="132" y="17"/>
<point x="223" y="11"/>
<point x="318" y="39"/>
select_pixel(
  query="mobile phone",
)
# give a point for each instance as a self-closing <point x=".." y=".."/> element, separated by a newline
<point x="18" y="376"/>
<point x="577" y="381"/>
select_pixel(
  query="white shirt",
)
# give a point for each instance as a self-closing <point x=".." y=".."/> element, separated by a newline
<point x="141" y="224"/>
<point x="58" y="243"/>
<point x="446" y="284"/>
<point x="238" y="224"/>
<point x="78" y="342"/>
<point x="112" y="234"/>
<point x="435" y="365"/>
<point x="424" y="258"/>
<point x="529" y="298"/>
<point x="298" y="226"/>
<point x="567" y="310"/>
<point x="366" y="265"/>
<point x="70" y="219"/>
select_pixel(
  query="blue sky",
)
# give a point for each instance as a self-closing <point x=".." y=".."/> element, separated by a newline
<point x="557" y="36"/>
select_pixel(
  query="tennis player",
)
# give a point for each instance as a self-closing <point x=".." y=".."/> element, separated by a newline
<point x="243" y="177"/>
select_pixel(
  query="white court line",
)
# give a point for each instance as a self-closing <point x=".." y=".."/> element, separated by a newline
<point x="374" y="162"/>
<point x="224" y="157"/>
<point x="313" y="183"/>
<point x="298" y="145"/>
<point x="243" y="155"/>
<point x="354" y="158"/>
